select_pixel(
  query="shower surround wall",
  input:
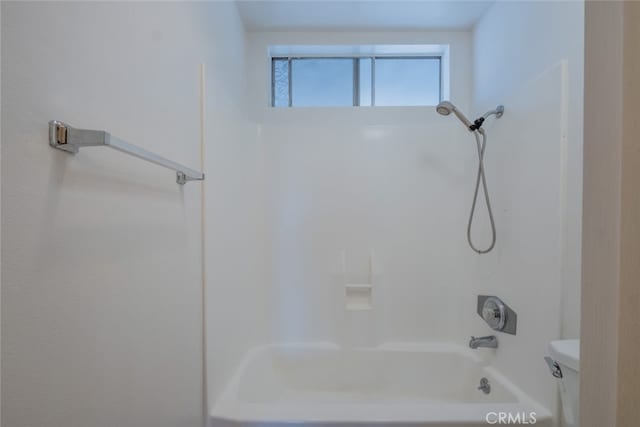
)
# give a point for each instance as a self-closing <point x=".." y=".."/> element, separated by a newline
<point x="101" y="267"/>
<point x="354" y="189"/>
<point x="397" y="183"/>
<point x="534" y="167"/>
<point x="237" y="296"/>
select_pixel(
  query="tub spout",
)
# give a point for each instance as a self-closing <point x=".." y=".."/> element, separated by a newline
<point x="489" y="342"/>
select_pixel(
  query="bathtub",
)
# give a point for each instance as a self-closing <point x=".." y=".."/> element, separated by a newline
<point x="390" y="385"/>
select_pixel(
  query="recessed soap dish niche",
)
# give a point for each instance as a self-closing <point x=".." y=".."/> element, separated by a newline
<point x="358" y="284"/>
<point x="359" y="296"/>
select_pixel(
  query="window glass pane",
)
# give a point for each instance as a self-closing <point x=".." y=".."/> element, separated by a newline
<point x="407" y="81"/>
<point x="280" y="82"/>
<point x="322" y="82"/>
<point x="365" y="82"/>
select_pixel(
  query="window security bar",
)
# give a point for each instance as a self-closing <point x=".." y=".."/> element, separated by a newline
<point x="70" y="139"/>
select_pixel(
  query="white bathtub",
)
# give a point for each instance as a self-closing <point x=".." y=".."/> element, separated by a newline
<point x="403" y="385"/>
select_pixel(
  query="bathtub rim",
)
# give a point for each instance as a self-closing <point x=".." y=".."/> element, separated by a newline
<point x="228" y="408"/>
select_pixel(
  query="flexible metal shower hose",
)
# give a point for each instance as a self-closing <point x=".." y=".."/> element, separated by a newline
<point x="481" y="179"/>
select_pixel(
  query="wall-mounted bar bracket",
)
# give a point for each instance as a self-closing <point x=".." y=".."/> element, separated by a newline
<point x="65" y="137"/>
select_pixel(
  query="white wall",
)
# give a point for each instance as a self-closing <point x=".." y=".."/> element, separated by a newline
<point x="529" y="56"/>
<point x="397" y="181"/>
<point x="101" y="267"/>
<point x="237" y="290"/>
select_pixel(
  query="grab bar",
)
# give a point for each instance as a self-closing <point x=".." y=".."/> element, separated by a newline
<point x="65" y="137"/>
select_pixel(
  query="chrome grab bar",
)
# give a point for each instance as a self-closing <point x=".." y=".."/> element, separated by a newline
<point x="65" y="137"/>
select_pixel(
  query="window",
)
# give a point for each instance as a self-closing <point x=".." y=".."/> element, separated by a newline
<point x="356" y="81"/>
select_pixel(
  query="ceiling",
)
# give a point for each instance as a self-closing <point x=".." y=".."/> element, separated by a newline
<point x="360" y="15"/>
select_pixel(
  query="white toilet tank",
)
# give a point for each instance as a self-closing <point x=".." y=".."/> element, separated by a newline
<point x="566" y="353"/>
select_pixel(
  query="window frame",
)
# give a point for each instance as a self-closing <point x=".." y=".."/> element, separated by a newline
<point x="356" y="74"/>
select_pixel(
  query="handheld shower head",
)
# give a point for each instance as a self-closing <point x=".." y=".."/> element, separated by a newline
<point x="445" y="108"/>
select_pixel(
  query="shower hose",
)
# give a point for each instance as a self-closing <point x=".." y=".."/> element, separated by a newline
<point x="481" y="144"/>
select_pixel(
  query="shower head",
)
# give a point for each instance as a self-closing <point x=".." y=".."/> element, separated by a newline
<point x="445" y="108"/>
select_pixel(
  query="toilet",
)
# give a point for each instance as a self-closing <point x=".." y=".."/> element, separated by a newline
<point x="565" y="365"/>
